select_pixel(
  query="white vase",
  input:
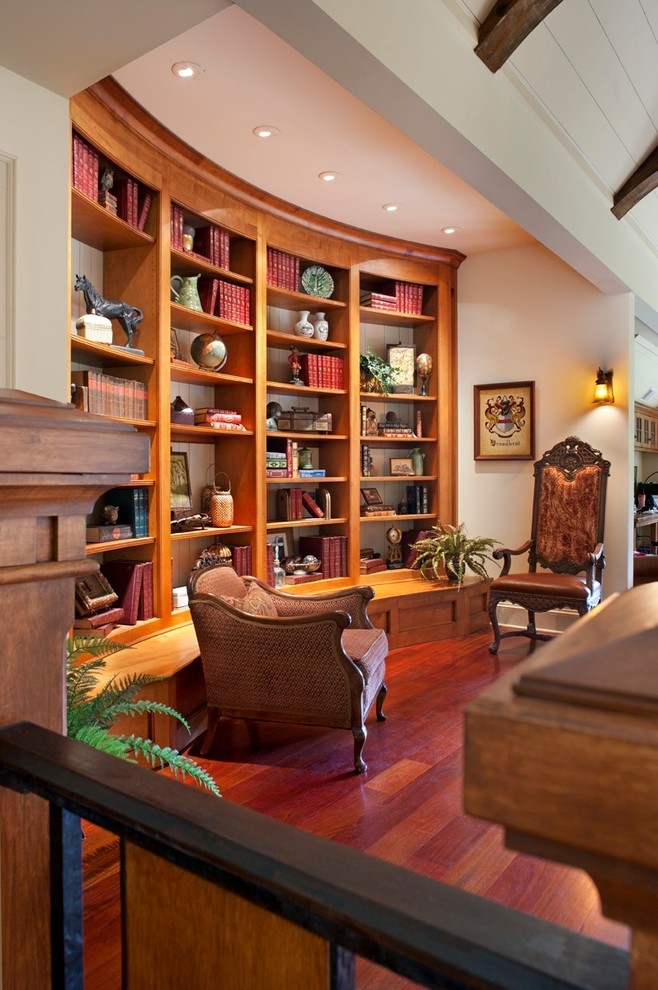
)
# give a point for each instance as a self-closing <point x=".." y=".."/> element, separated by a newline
<point x="302" y="327"/>
<point x="321" y="327"/>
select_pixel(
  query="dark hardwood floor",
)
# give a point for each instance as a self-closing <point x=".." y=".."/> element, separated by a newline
<point x="407" y="809"/>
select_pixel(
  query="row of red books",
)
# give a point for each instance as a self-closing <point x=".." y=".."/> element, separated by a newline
<point x="108" y="395"/>
<point x="331" y="551"/>
<point x="225" y="299"/>
<point x="409" y="296"/>
<point x="210" y="242"/>
<point x="86" y="166"/>
<point x="213" y="243"/>
<point x="129" y="200"/>
<point x="322" y="370"/>
<point x="282" y="270"/>
<point x="133" y="202"/>
<point x="242" y="560"/>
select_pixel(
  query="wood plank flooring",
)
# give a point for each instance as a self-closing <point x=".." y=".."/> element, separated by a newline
<point x="407" y="809"/>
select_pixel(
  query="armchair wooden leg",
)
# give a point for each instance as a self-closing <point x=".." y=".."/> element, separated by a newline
<point x="380" y="702"/>
<point x="208" y="739"/>
<point x="360" y="735"/>
<point x="493" y="618"/>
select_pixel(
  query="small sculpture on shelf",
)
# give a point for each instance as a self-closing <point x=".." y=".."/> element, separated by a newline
<point x="273" y="412"/>
<point x="424" y="369"/>
<point x="295" y="366"/>
<point x="126" y="315"/>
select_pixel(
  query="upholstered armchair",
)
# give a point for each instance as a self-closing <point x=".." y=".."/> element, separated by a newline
<point x="272" y="656"/>
<point x="566" y="540"/>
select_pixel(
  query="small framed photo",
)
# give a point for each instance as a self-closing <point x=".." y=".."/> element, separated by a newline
<point x="181" y="493"/>
<point x="401" y="466"/>
<point x="402" y="358"/>
<point x="371" y="496"/>
<point x="504" y="421"/>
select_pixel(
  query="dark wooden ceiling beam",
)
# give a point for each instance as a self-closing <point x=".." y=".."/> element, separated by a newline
<point x="508" y="23"/>
<point x="643" y="181"/>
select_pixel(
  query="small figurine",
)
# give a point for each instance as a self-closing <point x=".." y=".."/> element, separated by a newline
<point x="110" y="514"/>
<point x="127" y="316"/>
<point x="295" y="366"/>
<point x="107" y="179"/>
<point x="273" y="411"/>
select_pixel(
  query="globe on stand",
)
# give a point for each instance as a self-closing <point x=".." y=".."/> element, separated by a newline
<point x="209" y="351"/>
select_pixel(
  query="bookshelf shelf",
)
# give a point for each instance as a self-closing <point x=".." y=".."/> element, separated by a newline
<point x="304" y="523"/>
<point x="99" y="229"/>
<point x="104" y="355"/>
<point x="206" y="434"/>
<point x="184" y="318"/>
<point x="391" y="318"/>
<point x="286" y="388"/>
<point x="210" y="532"/>
<point x="186" y="263"/>
<point x="285" y="299"/>
<point x="286" y="340"/>
<point x="195" y="376"/>
<point x="111" y="545"/>
<point x="314" y="482"/>
<point x="371" y="398"/>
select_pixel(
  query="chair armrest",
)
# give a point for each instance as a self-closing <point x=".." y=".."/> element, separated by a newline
<point x="505" y="554"/>
<point x="353" y="601"/>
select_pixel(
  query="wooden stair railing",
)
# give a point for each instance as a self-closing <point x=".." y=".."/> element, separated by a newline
<point x="258" y="903"/>
<point x="563" y="752"/>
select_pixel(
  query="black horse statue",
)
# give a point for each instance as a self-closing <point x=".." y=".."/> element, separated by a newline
<point x="127" y="316"/>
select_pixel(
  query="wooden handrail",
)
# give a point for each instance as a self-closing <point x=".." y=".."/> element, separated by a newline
<point x="426" y="931"/>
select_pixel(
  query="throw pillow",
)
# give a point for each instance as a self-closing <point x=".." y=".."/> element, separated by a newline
<point x="255" y="602"/>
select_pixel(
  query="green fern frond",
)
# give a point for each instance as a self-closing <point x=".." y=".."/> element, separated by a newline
<point x="91" y="712"/>
<point x="166" y="756"/>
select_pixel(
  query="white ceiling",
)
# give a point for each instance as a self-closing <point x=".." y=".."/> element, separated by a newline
<point x="589" y="72"/>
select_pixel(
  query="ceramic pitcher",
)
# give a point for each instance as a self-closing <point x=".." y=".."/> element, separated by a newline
<point x="184" y="291"/>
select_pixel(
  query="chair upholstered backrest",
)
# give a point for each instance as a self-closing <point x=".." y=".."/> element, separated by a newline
<point x="220" y="580"/>
<point x="569" y="506"/>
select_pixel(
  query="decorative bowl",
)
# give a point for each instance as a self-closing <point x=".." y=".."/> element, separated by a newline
<point x="317" y="281"/>
<point x="301" y="565"/>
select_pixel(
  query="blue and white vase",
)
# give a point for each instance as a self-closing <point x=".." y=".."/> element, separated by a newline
<point x="320" y="325"/>
<point x="302" y="327"/>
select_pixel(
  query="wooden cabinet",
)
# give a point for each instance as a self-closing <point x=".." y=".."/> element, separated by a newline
<point x="252" y="229"/>
<point x="646" y="428"/>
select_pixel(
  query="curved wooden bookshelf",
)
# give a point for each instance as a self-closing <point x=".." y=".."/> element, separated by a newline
<point x="139" y="264"/>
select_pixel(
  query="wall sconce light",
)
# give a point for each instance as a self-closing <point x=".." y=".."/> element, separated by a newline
<point x="603" y="394"/>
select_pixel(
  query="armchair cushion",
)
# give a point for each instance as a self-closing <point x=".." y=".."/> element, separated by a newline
<point x="564" y="586"/>
<point x="255" y="602"/>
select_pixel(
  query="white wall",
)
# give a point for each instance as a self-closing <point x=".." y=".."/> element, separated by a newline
<point x="526" y="316"/>
<point x="34" y="133"/>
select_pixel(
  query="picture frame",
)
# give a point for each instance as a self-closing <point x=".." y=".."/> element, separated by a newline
<point x="504" y="421"/>
<point x="402" y="358"/>
<point x="401" y="467"/>
<point x="371" y="496"/>
<point x="180" y="490"/>
<point x="175" y="352"/>
<point x="93" y="592"/>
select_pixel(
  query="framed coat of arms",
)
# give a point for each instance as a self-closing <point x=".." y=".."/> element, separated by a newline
<point x="504" y="421"/>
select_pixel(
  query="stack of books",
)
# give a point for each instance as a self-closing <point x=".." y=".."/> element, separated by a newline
<point x="213" y="244"/>
<point x="219" y="419"/>
<point x="284" y="462"/>
<point x="282" y="270"/>
<point x="408" y="297"/>
<point x="108" y="395"/>
<point x="371" y="565"/>
<point x="322" y="370"/>
<point x="379" y="300"/>
<point x="417" y="499"/>
<point x="132" y="580"/>
<point x="85" y="167"/>
<point x="331" y="551"/>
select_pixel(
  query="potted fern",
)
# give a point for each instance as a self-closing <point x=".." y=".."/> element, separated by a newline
<point x="92" y="712"/>
<point x="377" y="375"/>
<point x="450" y="550"/>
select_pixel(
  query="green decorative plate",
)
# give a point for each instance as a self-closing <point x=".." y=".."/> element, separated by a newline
<point x="317" y="281"/>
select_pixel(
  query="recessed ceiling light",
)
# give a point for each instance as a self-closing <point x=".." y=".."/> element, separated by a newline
<point x="266" y="130"/>
<point x="329" y="176"/>
<point x="449" y="230"/>
<point x="187" y="70"/>
<point x="391" y="207"/>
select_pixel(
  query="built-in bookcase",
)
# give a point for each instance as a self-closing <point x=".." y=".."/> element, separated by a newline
<point x="238" y="236"/>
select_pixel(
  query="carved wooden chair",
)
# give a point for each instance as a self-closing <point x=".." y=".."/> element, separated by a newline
<point x="566" y="540"/>
<point x="272" y="656"/>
